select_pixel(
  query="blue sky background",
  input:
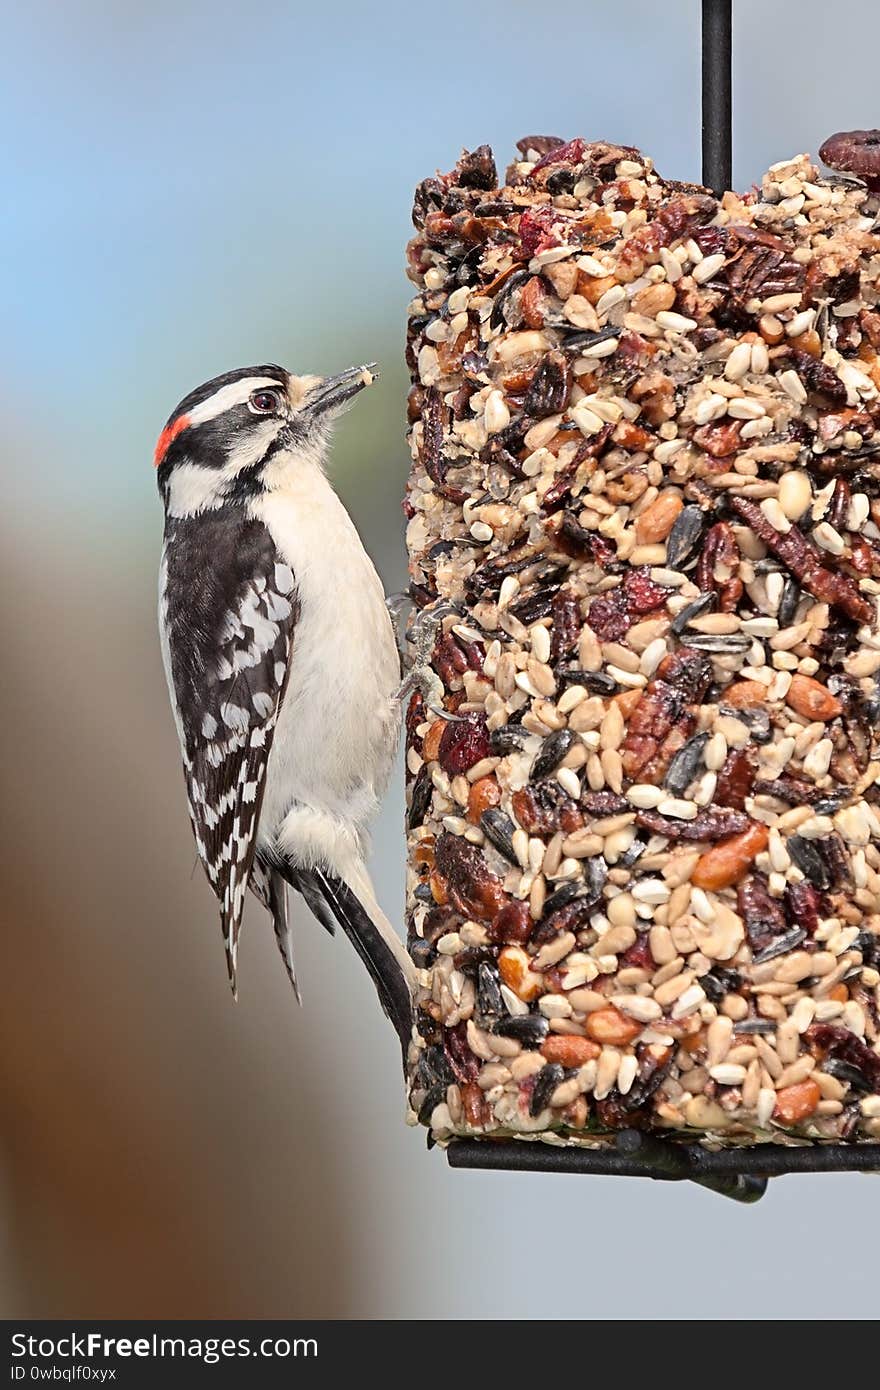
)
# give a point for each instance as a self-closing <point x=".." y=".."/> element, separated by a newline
<point x="188" y="187"/>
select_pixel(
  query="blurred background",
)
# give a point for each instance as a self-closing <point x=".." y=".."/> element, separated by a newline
<point x="192" y="187"/>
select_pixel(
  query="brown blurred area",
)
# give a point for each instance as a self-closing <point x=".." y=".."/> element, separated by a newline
<point x="148" y="1166"/>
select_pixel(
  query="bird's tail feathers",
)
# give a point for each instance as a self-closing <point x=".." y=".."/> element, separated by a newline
<point x="268" y="884"/>
<point x="332" y="899"/>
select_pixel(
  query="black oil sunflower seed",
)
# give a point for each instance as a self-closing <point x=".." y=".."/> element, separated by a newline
<point x="423" y="790"/>
<point x="498" y="830"/>
<point x="810" y="861"/>
<point x="693" y="610"/>
<point x="489" y="1001"/>
<point x="791" y="597"/>
<point x="682" y="540"/>
<point x="780" y="945"/>
<point x="435" y="1096"/>
<point x="553" y="750"/>
<point x="561" y="898"/>
<point x="507" y="739"/>
<point x="726" y="644"/>
<point x="597" y="682"/>
<point x="683" y="768"/>
<point x="528" y="1029"/>
<point x="548" y="1079"/>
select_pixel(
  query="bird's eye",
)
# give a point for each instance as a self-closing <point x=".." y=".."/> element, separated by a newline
<point x="264" y="402"/>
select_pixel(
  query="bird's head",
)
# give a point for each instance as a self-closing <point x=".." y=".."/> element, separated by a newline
<point x="221" y="442"/>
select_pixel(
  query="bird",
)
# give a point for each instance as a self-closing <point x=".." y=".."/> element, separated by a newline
<point x="281" y="660"/>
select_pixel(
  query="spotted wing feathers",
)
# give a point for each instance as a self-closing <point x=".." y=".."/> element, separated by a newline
<point x="230" y="610"/>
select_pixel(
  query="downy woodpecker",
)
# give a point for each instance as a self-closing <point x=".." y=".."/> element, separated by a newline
<point x="281" y="660"/>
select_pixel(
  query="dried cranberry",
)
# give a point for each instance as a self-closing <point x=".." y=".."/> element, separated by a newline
<point x="762" y="914"/>
<point x="711" y="240"/>
<point x="735" y="779"/>
<point x="570" y="153"/>
<point x="688" y="671"/>
<point x="472" y="887"/>
<point x="805" y="906"/>
<point x="821" y="381"/>
<point x="463" y="743"/>
<point x="512" y="926"/>
<point x="844" y="1046"/>
<point x="638" y="954"/>
<point x="686" y="214"/>
<point x="534" y="231"/>
<point x="462" y="1061"/>
<point x="608" y="615"/>
<point x="643" y="594"/>
<point x="544" y="808"/>
<point x="566" y="629"/>
<point x="612" y="614"/>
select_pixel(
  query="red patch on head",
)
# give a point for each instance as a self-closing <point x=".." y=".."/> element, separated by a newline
<point x="168" y="436"/>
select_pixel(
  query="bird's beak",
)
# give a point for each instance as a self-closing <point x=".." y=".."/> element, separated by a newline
<point x="333" y="392"/>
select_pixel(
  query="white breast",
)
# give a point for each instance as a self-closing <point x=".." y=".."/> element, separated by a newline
<point x="337" y="728"/>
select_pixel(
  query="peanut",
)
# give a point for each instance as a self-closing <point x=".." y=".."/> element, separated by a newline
<point x="438" y="889"/>
<point x="812" y="699"/>
<point x="485" y="792"/>
<point x="808" y="342"/>
<point x="653" y="299"/>
<point x="627" y="702"/>
<point x="514" y="969"/>
<point x="728" y="862"/>
<point x="610" y="1026"/>
<point x="570" y="1050"/>
<point x="592" y="287"/>
<point x="655" y="522"/>
<point x="431" y="744"/>
<point x="742" y="694"/>
<point x="795" y="1103"/>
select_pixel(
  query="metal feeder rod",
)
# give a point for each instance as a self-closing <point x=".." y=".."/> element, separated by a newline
<point x="717" y="98"/>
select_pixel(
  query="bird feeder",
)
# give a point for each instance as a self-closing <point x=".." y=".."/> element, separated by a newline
<point x="644" y="532"/>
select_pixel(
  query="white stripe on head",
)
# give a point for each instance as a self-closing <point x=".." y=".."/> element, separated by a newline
<point x="192" y="488"/>
<point x="236" y="393"/>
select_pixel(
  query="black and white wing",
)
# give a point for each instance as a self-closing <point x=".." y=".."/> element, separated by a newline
<point x="228" y="610"/>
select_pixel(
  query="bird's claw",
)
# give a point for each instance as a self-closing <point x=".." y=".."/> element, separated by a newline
<point x="397" y="605"/>
<point x="429" y="685"/>
<point x="420" y="642"/>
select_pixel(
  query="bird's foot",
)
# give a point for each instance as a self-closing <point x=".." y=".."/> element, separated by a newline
<point x="429" y="685"/>
<point x="421" y="641"/>
<point x="397" y="604"/>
